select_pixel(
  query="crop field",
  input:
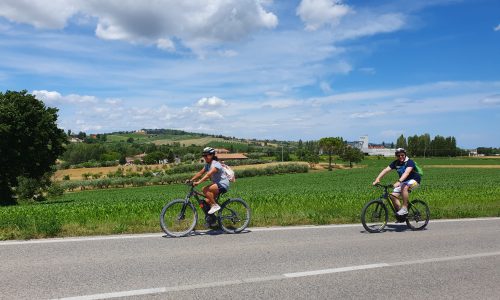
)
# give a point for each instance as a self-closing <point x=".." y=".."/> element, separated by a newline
<point x="311" y="198"/>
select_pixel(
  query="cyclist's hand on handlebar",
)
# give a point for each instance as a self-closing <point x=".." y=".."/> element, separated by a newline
<point x="376" y="182"/>
<point x="195" y="183"/>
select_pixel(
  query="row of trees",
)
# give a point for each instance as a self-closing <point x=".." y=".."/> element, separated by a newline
<point x="423" y="145"/>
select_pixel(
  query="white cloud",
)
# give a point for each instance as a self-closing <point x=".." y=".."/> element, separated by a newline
<point x="366" y="114"/>
<point x="39" y="13"/>
<point x="317" y="13"/>
<point x="491" y="100"/>
<point x="46" y="96"/>
<point x="280" y="104"/>
<point x="212" y="114"/>
<point x="497" y="28"/>
<point x="166" y="44"/>
<point x="368" y="24"/>
<point x="325" y="87"/>
<point x="150" y="21"/>
<point x="210" y="102"/>
<point x="56" y="97"/>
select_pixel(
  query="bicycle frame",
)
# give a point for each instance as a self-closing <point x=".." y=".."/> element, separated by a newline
<point x="387" y="196"/>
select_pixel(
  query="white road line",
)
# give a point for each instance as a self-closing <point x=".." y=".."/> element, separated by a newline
<point x="335" y="270"/>
<point x="285" y="276"/>
<point x="119" y="294"/>
<point x="254" y="229"/>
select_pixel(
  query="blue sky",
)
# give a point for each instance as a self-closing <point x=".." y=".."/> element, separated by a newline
<point x="261" y="69"/>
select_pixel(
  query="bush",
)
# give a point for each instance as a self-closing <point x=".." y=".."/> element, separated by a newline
<point x="27" y="188"/>
<point x="55" y="190"/>
<point x="66" y="177"/>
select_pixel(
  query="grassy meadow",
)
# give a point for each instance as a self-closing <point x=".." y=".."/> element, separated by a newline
<point x="318" y="197"/>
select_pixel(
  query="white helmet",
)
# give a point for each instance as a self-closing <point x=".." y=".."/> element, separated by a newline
<point x="209" y="150"/>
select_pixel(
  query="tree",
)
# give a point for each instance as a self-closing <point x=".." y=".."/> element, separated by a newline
<point x="30" y="140"/>
<point x="401" y="142"/>
<point x="351" y="155"/>
<point x="331" y="145"/>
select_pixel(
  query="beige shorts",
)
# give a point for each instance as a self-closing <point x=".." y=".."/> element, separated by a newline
<point x="412" y="184"/>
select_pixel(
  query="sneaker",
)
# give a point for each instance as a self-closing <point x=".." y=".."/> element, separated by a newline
<point x="213" y="209"/>
<point x="403" y="211"/>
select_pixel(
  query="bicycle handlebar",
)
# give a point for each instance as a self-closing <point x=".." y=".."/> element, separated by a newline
<point x="384" y="185"/>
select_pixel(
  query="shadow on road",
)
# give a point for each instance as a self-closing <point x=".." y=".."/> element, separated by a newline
<point x="204" y="233"/>
<point x="396" y="227"/>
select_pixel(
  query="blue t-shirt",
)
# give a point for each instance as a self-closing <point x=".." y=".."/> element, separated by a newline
<point x="400" y="167"/>
<point x="218" y="177"/>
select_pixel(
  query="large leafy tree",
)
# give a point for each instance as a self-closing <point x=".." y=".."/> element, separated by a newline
<point x="352" y="155"/>
<point x="331" y="145"/>
<point x="30" y="140"/>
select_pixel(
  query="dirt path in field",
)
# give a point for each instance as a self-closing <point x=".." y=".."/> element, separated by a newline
<point x="464" y="166"/>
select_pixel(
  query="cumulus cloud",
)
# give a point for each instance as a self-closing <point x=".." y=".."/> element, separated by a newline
<point x="39" y="13"/>
<point x="151" y="21"/>
<point x="210" y="102"/>
<point x="317" y="13"/>
<point x="55" y="97"/>
<point x="497" y="28"/>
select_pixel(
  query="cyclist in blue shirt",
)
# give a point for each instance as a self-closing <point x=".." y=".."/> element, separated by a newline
<point x="408" y="180"/>
<point x="213" y="170"/>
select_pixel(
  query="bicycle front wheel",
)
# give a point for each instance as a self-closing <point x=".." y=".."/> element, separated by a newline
<point x="178" y="218"/>
<point x="374" y="216"/>
<point x="234" y="216"/>
<point x="418" y="215"/>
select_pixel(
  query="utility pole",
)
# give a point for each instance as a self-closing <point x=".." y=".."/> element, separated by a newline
<point x="281" y="152"/>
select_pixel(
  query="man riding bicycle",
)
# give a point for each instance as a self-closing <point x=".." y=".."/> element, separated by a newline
<point x="409" y="179"/>
<point x="213" y="170"/>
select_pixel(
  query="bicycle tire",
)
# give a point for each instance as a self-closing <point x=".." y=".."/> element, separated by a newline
<point x="234" y="216"/>
<point x="415" y="220"/>
<point x="379" y="216"/>
<point x="173" y="224"/>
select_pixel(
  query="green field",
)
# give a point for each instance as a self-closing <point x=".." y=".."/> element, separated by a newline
<point x="310" y="198"/>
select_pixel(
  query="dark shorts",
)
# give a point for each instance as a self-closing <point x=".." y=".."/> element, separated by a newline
<point x="221" y="188"/>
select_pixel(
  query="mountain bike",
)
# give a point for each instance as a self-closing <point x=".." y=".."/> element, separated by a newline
<point x="180" y="217"/>
<point x="375" y="214"/>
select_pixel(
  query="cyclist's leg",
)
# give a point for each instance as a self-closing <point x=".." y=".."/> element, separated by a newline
<point x="395" y="196"/>
<point x="211" y="192"/>
<point x="404" y="194"/>
<point x="407" y="187"/>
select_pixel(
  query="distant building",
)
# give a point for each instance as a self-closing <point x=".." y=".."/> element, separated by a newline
<point x="371" y="149"/>
<point x="221" y="151"/>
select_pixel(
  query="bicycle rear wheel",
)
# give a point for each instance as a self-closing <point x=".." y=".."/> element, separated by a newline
<point x="234" y="216"/>
<point x="418" y="215"/>
<point x="374" y="216"/>
<point x="178" y="218"/>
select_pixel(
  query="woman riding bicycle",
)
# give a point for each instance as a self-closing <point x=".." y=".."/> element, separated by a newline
<point x="408" y="179"/>
<point x="213" y="170"/>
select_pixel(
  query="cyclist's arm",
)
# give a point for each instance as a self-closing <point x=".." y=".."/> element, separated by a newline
<point x="405" y="174"/>
<point x="207" y="175"/>
<point x="198" y="174"/>
<point x="381" y="175"/>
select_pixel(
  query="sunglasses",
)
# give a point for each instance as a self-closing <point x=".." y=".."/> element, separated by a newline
<point x="401" y="155"/>
<point x="205" y="155"/>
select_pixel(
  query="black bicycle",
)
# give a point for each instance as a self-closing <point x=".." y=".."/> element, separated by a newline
<point x="180" y="217"/>
<point x="375" y="214"/>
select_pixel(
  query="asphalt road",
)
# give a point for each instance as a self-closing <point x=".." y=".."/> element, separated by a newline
<point x="450" y="260"/>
